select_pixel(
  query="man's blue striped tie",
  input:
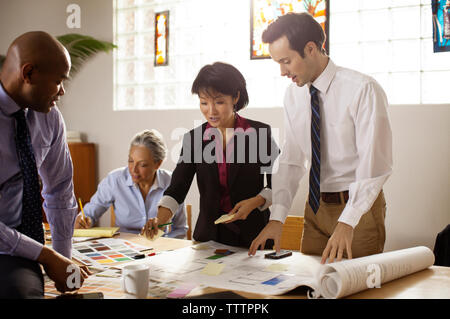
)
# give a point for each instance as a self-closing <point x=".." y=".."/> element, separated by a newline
<point x="314" y="173"/>
<point x="31" y="202"/>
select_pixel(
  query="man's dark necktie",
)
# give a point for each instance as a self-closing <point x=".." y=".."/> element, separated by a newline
<point x="314" y="174"/>
<point x="31" y="202"/>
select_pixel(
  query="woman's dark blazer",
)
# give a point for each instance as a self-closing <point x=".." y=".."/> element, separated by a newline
<point x="253" y="157"/>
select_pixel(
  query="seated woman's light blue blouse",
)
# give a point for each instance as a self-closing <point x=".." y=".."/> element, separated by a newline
<point x="131" y="211"/>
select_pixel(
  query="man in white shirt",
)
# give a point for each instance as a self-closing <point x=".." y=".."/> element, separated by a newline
<point x="351" y="144"/>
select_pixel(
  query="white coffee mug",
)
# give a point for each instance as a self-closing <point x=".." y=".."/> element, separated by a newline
<point x="135" y="281"/>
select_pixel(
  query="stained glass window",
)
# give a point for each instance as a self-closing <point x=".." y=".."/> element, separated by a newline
<point x="161" y="38"/>
<point x="264" y="12"/>
<point x="441" y="25"/>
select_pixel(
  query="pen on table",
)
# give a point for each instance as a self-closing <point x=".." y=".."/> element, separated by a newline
<point x="82" y="210"/>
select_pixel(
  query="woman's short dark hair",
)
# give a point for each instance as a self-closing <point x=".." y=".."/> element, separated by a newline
<point x="223" y="78"/>
<point x="299" y="28"/>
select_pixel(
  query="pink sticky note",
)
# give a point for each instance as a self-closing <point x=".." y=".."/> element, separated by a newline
<point x="181" y="291"/>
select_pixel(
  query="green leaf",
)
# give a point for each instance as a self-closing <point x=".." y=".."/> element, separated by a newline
<point x="82" y="47"/>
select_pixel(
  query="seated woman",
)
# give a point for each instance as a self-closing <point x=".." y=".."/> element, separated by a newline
<point x="136" y="190"/>
<point x="231" y="155"/>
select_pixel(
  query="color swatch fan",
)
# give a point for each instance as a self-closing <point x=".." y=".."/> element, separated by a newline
<point x="106" y="251"/>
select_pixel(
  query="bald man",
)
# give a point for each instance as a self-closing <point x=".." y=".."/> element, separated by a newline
<point x="32" y="143"/>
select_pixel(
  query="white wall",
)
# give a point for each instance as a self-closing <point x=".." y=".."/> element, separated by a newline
<point x="417" y="193"/>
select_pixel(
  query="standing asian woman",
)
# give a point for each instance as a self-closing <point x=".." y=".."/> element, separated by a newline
<point x="232" y="158"/>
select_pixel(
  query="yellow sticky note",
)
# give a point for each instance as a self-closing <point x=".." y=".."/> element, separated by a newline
<point x="223" y="218"/>
<point x="213" y="269"/>
<point x="277" y="267"/>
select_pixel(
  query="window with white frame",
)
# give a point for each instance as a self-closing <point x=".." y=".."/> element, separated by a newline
<point x="388" y="39"/>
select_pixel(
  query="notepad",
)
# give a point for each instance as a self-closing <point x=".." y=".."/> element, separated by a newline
<point x="223" y="218"/>
<point x="96" y="232"/>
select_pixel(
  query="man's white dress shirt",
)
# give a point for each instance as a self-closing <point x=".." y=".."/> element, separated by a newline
<point x="356" y="141"/>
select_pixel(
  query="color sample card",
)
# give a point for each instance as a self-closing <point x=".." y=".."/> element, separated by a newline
<point x="219" y="253"/>
<point x="106" y="251"/>
<point x="224" y="252"/>
<point x="223" y="218"/>
<point x="213" y="257"/>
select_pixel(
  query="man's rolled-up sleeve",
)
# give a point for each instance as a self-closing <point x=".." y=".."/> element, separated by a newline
<point x="56" y="173"/>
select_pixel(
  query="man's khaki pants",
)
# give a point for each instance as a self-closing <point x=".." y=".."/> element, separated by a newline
<point x="368" y="236"/>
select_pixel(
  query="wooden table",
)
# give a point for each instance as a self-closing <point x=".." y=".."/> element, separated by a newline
<point x="431" y="283"/>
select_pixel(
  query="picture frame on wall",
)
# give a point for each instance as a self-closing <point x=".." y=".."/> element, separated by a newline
<point x="441" y="25"/>
<point x="162" y="38"/>
<point x="264" y="12"/>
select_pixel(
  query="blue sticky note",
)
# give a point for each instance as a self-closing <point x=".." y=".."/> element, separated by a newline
<point x="275" y="281"/>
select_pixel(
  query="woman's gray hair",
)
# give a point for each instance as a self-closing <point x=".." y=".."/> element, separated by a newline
<point x="153" y="140"/>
